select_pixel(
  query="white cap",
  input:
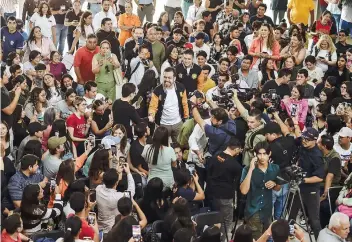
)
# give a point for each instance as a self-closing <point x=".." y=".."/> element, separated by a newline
<point x="345" y="132"/>
<point x="109" y="141"/>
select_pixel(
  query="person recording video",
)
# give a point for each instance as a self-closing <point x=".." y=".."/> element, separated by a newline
<point x="310" y="159"/>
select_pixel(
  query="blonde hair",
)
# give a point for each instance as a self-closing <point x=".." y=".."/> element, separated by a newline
<point x="328" y="39"/>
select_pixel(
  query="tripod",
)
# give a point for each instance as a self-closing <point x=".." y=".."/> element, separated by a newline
<point x="286" y="211"/>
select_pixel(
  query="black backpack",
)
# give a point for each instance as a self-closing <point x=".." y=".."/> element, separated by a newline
<point x="128" y="73"/>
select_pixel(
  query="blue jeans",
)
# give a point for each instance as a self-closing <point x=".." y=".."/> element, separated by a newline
<point x="6" y="15"/>
<point x="346" y="25"/>
<point x="185" y="6"/>
<point x="279" y="198"/>
<point x="337" y="18"/>
<point x="95" y="8"/>
<point x="61" y="34"/>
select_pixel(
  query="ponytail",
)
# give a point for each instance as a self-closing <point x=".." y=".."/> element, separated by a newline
<point x="73" y="226"/>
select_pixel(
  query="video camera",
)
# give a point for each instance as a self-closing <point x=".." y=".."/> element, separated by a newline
<point x="295" y="173"/>
<point x="273" y="98"/>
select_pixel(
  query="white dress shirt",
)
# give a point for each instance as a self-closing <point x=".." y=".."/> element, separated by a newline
<point x="100" y="16"/>
<point x="194" y="13"/>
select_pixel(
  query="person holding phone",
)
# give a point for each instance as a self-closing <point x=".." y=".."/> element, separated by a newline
<point x="259" y="203"/>
<point x="325" y="53"/>
<point x="72" y="19"/>
<point x="103" y="65"/>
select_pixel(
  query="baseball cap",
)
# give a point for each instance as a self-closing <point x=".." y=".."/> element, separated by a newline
<point x="272" y="128"/>
<point x="200" y="35"/>
<point x="55" y="142"/>
<point x="188" y="46"/>
<point x="310" y="134"/>
<point x="35" y="127"/>
<point x="345" y="132"/>
<point x="109" y="141"/>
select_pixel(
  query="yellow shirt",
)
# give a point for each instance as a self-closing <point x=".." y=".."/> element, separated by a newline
<point x="209" y="83"/>
<point x="300" y="10"/>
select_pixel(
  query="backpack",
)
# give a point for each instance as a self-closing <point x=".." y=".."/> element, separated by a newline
<point x="252" y="137"/>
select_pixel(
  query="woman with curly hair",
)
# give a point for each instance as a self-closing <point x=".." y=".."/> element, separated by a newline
<point x="325" y="52"/>
<point x="53" y="92"/>
<point x="36" y="104"/>
<point x="267" y="72"/>
<point x="264" y="47"/>
<point x="164" y="23"/>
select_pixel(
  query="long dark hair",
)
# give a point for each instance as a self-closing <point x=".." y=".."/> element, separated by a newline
<point x="10" y="57"/>
<point x="82" y="22"/>
<point x="160" y="138"/>
<point x="46" y="88"/>
<point x="153" y="192"/>
<point x="334" y="124"/>
<point x="59" y="126"/>
<point x="17" y="114"/>
<point x="31" y="37"/>
<point x="66" y="172"/>
<point x="99" y="164"/>
<point x="122" y="231"/>
<point x="168" y="51"/>
<point x="75" y="186"/>
<point x="167" y="23"/>
<point x="181" y="213"/>
<point x="123" y="142"/>
<point x="40" y="11"/>
<point x="73" y="226"/>
<point x="34" y="98"/>
<point x="264" y="73"/>
<point x="148" y="81"/>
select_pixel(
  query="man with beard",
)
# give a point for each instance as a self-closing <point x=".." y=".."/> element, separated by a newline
<point x="169" y="105"/>
<point x="106" y="33"/>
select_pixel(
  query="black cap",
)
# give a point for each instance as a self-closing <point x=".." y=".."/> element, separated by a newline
<point x="35" y="127"/>
<point x="272" y="128"/>
<point x="310" y="134"/>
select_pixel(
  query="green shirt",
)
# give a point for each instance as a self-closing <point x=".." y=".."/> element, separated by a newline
<point x="105" y="74"/>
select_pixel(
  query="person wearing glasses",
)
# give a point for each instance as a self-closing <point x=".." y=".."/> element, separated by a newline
<point x="103" y="66"/>
<point x="341" y="44"/>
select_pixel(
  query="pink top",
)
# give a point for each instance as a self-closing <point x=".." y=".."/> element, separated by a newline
<point x="301" y="110"/>
<point x="256" y="47"/>
<point x="45" y="49"/>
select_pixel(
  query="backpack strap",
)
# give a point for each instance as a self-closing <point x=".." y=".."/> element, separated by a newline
<point x="252" y="137"/>
<point x="135" y="69"/>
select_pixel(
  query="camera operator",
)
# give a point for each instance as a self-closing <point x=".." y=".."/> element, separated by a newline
<point x="282" y="150"/>
<point x="219" y="131"/>
<point x="280" y="231"/>
<point x="255" y="125"/>
<point x="223" y="172"/>
<point x="280" y="85"/>
<point x="310" y="159"/>
<point x="257" y="181"/>
<point x="216" y="91"/>
<point x="332" y="176"/>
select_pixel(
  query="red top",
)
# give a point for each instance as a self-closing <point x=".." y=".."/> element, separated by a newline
<point x="83" y="60"/>
<point x="86" y="230"/>
<point x="5" y="237"/>
<point x="78" y="124"/>
<point x="321" y="29"/>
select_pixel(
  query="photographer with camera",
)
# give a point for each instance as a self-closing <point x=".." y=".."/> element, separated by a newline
<point x="223" y="175"/>
<point x="257" y="182"/>
<point x="255" y="125"/>
<point x="332" y="176"/>
<point x="219" y="131"/>
<point x="280" y="84"/>
<point x="218" y="90"/>
<point x="282" y="150"/>
<point x="310" y="159"/>
<point x="280" y="231"/>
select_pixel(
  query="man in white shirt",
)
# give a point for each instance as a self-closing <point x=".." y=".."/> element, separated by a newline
<point x="90" y="89"/>
<point x="108" y="196"/>
<point x="249" y="38"/>
<point x="105" y="13"/>
<point x="195" y="12"/>
<point x="344" y="147"/>
<point x="199" y="45"/>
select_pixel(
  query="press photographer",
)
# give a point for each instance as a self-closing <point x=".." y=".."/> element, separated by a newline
<point x="280" y="84"/>
<point x="219" y="131"/>
<point x="310" y="159"/>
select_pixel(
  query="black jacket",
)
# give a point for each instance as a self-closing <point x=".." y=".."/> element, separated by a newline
<point x="129" y="49"/>
<point x="112" y="38"/>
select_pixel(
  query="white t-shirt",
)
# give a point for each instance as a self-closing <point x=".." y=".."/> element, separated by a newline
<point x="256" y="65"/>
<point x="44" y="23"/>
<point x="317" y="73"/>
<point x="346" y="13"/>
<point x="344" y="154"/>
<point x="171" y="112"/>
<point x="90" y="101"/>
<point x="325" y="54"/>
<point x="89" y="30"/>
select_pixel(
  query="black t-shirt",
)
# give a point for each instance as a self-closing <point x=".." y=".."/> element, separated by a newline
<point x="20" y="132"/>
<point x="102" y="120"/>
<point x="124" y="113"/>
<point x="334" y="168"/>
<point x="341" y="49"/>
<point x="282" y="150"/>
<point x="136" y="151"/>
<point x="208" y="26"/>
<point x="264" y="19"/>
<point x="56" y="6"/>
<point x="223" y="171"/>
<point x="281" y="90"/>
<point x="6" y="101"/>
<point x="71" y="16"/>
<point x="241" y="128"/>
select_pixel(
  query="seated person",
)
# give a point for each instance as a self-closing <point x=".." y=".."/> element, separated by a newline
<point x="13" y="227"/>
<point x="125" y="206"/>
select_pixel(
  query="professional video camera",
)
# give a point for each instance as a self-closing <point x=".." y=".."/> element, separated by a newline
<point x="273" y="98"/>
<point x="295" y="173"/>
<point x="224" y="100"/>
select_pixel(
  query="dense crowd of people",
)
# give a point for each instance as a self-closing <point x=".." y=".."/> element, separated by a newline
<point x="141" y="127"/>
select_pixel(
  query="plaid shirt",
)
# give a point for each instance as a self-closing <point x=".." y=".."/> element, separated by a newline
<point x="214" y="55"/>
<point x="225" y="22"/>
